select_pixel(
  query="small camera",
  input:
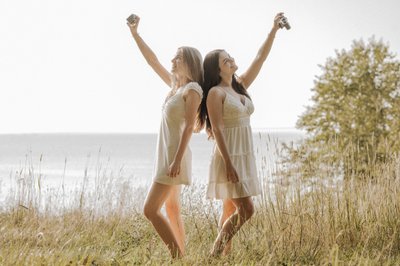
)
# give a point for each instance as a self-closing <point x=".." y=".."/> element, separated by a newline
<point x="284" y="23"/>
<point x="131" y="19"/>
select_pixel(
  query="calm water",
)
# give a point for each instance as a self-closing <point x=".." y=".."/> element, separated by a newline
<point x="67" y="158"/>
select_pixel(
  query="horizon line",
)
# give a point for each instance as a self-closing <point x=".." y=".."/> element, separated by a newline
<point x="272" y="129"/>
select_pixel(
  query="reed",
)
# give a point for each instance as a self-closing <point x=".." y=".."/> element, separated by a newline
<point x="298" y="221"/>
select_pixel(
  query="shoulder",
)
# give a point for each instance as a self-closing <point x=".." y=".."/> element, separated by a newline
<point x="217" y="93"/>
<point x="195" y="87"/>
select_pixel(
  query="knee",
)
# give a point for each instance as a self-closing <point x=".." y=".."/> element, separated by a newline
<point x="247" y="211"/>
<point x="149" y="212"/>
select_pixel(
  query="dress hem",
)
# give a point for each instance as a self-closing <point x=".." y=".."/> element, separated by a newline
<point x="167" y="182"/>
<point x="228" y="190"/>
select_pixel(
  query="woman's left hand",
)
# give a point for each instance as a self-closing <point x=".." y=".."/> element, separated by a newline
<point x="134" y="26"/>
<point x="277" y="18"/>
<point x="174" y="169"/>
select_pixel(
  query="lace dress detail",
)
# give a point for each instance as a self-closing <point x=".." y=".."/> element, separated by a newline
<point x="171" y="129"/>
<point x="239" y="141"/>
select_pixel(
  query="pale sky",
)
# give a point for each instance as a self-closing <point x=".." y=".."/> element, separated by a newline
<point x="72" y="66"/>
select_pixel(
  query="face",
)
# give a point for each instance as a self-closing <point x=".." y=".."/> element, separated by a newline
<point x="227" y="63"/>
<point x="178" y="64"/>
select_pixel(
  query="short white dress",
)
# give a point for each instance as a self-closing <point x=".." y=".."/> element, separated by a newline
<point x="239" y="141"/>
<point x="171" y="129"/>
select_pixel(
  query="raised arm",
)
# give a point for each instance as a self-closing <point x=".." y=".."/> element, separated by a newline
<point x="192" y="102"/>
<point x="148" y="54"/>
<point x="215" y="100"/>
<point x="251" y="73"/>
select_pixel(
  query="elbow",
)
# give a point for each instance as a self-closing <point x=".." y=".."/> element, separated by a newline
<point x="189" y="127"/>
<point x="152" y="61"/>
<point x="261" y="57"/>
<point x="217" y="130"/>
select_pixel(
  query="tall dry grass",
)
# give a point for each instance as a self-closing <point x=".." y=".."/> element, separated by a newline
<point x="321" y="221"/>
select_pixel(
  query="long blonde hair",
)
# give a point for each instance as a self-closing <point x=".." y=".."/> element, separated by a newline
<point x="194" y="63"/>
<point x="194" y="67"/>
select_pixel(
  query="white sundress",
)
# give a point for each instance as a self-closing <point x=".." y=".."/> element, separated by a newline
<point x="171" y="129"/>
<point x="239" y="141"/>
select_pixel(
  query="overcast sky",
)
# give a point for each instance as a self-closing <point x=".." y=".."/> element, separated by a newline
<point x="72" y="66"/>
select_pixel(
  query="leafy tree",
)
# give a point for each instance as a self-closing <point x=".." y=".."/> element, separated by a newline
<point x="354" y="122"/>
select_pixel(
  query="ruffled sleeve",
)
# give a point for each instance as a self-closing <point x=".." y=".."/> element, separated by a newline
<point x="196" y="87"/>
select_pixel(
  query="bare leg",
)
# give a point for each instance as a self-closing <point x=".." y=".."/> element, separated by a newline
<point x="245" y="210"/>
<point x="154" y="201"/>
<point x="173" y="208"/>
<point x="228" y="210"/>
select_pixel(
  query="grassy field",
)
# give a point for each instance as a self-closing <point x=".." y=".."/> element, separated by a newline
<point x="324" y="222"/>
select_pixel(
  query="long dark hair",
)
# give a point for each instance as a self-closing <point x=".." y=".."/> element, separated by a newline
<point x="211" y="79"/>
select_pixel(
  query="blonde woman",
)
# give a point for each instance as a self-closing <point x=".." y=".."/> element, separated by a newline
<point x="226" y="110"/>
<point x="173" y="159"/>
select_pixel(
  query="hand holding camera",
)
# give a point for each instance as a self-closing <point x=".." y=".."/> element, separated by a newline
<point x="133" y="22"/>
<point x="132" y="19"/>
<point x="284" y="23"/>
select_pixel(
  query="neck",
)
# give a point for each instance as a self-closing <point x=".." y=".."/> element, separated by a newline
<point x="180" y="81"/>
<point x="226" y="81"/>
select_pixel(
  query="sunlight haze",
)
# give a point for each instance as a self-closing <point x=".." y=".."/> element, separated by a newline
<point x="72" y="66"/>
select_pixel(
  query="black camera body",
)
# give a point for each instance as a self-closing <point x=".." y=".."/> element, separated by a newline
<point x="283" y="23"/>
<point x="131" y="19"/>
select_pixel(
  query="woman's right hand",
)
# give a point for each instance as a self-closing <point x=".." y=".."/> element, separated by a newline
<point x="133" y="26"/>
<point x="231" y="173"/>
<point x="277" y="19"/>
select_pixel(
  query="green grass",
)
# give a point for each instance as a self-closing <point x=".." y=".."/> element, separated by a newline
<point x="296" y="222"/>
